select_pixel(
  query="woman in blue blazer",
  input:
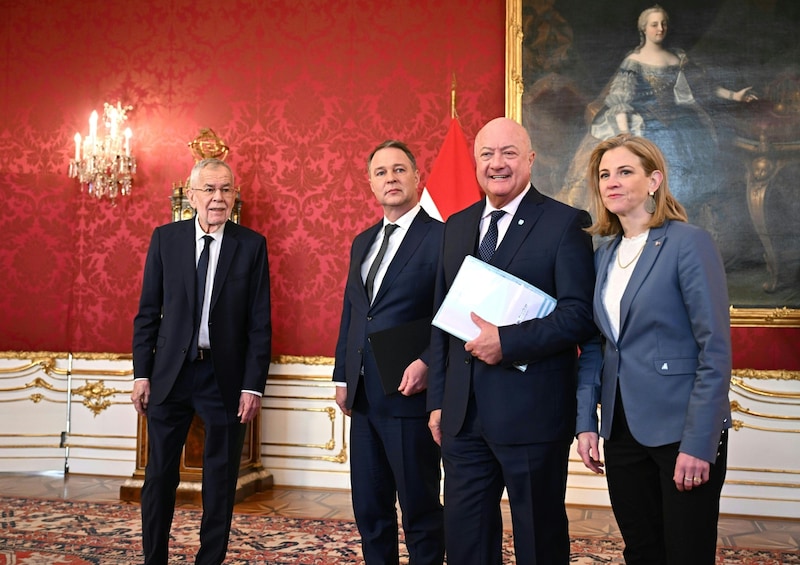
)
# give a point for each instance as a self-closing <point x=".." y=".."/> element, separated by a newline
<point x="661" y="371"/>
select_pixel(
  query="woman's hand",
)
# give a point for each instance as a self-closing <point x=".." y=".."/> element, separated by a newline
<point x="690" y="472"/>
<point x="589" y="450"/>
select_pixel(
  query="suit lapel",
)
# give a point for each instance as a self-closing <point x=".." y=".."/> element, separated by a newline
<point x="653" y="246"/>
<point x="416" y="234"/>
<point x="361" y="247"/>
<point x="521" y="225"/>
<point x="187" y="259"/>
<point x="467" y="245"/>
<point x="605" y="254"/>
<point x="230" y="242"/>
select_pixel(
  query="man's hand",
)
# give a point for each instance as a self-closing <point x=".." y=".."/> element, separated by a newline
<point x="486" y="346"/>
<point x="249" y="406"/>
<point x="415" y="378"/>
<point x="589" y="450"/>
<point x="141" y="395"/>
<point x="434" y="421"/>
<point x="341" y="399"/>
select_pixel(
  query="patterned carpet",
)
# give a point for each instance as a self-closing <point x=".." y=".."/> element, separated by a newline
<point x="56" y="532"/>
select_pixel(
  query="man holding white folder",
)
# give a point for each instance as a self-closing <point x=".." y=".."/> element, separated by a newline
<point x="500" y="426"/>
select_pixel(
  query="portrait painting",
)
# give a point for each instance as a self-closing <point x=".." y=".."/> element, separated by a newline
<point x="717" y="88"/>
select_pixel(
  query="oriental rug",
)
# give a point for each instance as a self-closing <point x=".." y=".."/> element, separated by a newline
<point x="57" y="532"/>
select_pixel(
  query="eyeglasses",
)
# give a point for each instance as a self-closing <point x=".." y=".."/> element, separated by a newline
<point x="208" y="191"/>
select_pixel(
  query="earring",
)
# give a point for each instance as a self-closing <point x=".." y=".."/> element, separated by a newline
<point x="650" y="203"/>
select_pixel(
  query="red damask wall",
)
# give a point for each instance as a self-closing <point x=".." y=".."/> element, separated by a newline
<point x="300" y="90"/>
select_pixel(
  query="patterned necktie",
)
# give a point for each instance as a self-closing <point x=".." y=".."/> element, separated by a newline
<point x="373" y="269"/>
<point x="489" y="243"/>
<point x="200" y="292"/>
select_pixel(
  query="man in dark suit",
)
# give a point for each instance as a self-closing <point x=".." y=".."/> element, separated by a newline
<point x="393" y="456"/>
<point x="503" y="404"/>
<point x="201" y="344"/>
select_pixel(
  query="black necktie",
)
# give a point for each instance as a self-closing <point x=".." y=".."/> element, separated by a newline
<point x="200" y="292"/>
<point x="373" y="269"/>
<point x="489" y="243"/>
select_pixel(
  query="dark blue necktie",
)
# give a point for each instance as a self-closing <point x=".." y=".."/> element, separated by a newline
<point x="369" y="284"/>
<point x="200" y="291"/>
<point x="489" y="243"/>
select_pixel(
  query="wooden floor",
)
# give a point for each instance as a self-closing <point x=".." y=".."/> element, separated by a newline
<point x="322" y="504"/>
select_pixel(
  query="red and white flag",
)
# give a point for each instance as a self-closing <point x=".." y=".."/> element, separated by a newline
<point x="451" y="185"/>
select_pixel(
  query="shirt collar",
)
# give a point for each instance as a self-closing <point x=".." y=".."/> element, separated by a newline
<point x="199" y="233"/>
<point x="510" y="209"/>
<point x="406" y="219"/>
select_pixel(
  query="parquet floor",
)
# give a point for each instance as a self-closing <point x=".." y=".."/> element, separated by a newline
<point x="329" y="504"/>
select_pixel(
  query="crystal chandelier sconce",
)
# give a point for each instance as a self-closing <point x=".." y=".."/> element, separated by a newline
<point x="103" y="164"/>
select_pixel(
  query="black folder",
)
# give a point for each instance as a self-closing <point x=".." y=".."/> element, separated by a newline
<point x="395" y="348"/>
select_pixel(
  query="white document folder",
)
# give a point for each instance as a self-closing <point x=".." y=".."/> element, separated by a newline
<point x="494" y="295"/>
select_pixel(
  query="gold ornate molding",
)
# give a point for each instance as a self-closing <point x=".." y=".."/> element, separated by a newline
<point x="329" y="445"/>
<point x="739" y="424"/>
<point x="514" y="82"/>
<point x="758" y="317"/>
<point x="299" y="360"/>
<point x="96" y="396"/>
<point x="39" y="355"/>
<point x="736" y="407"/>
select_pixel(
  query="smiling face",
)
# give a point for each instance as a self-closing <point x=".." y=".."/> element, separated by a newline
<point x="394" y="181"/>
<point x="503" y="159"/>
<point x="213" y="197"/>
<point x="624" y="185"/>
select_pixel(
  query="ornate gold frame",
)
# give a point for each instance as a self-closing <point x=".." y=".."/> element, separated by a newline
<point x="740" y="317"/>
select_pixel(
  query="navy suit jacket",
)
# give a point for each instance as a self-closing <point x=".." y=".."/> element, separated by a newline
<point x="239" y="317"/>
<point x="547" y="246"/>
<point x="405" y="295"/>
<point x="672" y="359"/>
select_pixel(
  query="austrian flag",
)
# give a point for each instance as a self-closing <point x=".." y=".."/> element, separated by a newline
<point x="451" y="185"/>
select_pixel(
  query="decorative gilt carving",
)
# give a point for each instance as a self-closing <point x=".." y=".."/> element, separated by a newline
<point x="785" y="395"/>
<point x="736" y="407"/>
<point x="758" y="317"/>
<point x="739" y="424"/>
<point x="298" y="360"/>
<point x="95" y="396"/>
<point x="329" y="445"/>
<point x="766" y="374"/>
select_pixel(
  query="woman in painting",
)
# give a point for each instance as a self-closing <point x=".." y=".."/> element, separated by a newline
<point x="662" y="373"/>
<point x="653" y="94"/>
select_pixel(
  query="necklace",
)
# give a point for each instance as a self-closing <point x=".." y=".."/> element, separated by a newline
<point x="632" y="261"/>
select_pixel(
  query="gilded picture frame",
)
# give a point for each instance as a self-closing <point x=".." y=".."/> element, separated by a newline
<point x="780" y="315"/>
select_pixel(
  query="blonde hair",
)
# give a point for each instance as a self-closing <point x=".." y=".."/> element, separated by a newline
<point x="651" y="158"/>
<point x="642" y="21"/>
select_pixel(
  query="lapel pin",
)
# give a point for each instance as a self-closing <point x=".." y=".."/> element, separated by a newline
<point x="520" y="222"/>
<point x="658" y="243"/>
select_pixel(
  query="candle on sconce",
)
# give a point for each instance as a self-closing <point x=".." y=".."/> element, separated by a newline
<point x="93" y="129"/>
<point x="128" y="135"/>
<point x="112" y="122"/>
<point x="77" y="147"/>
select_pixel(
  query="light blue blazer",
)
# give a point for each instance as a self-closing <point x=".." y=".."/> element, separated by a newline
<point x="672" y="359"/>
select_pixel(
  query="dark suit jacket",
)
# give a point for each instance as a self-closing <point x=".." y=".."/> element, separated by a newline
<point x="672" y="359"/>
<point x="546" y="246"/>
<point x="405" y="295"/>
<point x="239" y="317"/>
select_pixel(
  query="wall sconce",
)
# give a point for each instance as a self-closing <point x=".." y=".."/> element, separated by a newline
<point x="104" y="164"/>
<point x="205" y="146"/>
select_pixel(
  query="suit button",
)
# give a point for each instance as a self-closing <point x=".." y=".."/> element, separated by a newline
<point x="467" y="360"/>
<point x="360" y="350"/>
